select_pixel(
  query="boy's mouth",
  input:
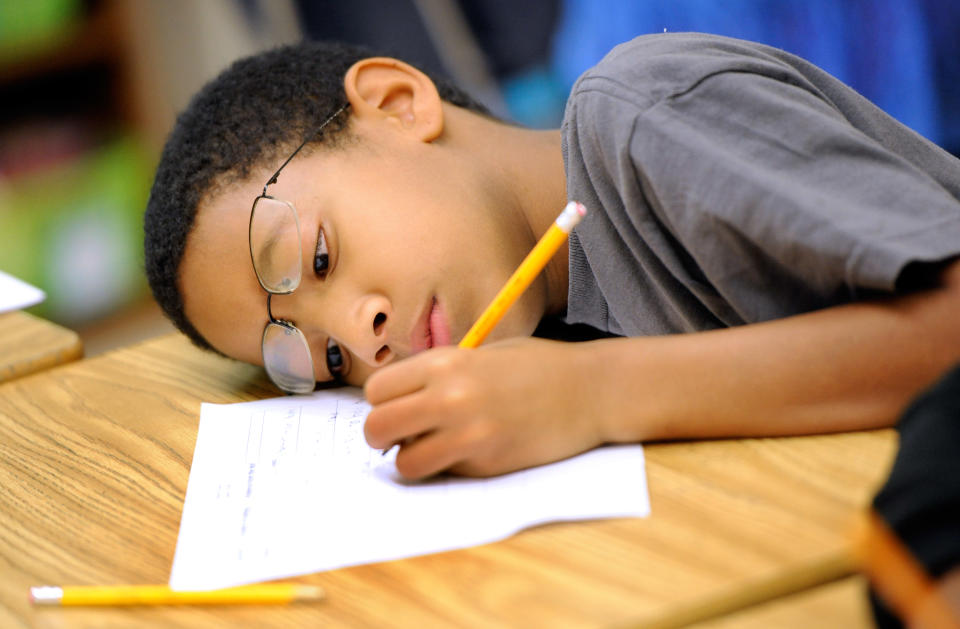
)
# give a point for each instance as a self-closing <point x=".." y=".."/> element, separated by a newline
<point x="432" y="330"/>
<point x="439" y="330"/>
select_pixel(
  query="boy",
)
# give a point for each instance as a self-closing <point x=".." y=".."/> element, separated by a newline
<point x="733" y="190"/>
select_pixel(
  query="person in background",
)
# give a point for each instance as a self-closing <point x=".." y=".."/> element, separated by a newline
<point x="920" y="499"/>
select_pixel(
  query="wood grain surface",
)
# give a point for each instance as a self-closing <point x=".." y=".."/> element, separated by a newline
<point x="29" y="344"/>
<point x="839" y="605"/>
<point x="95" y="456"/>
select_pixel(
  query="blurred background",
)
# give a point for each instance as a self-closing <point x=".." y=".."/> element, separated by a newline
<point x="89" y="90"/>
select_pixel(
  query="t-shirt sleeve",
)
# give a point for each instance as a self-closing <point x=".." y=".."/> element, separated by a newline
<point x="778" y="198"/>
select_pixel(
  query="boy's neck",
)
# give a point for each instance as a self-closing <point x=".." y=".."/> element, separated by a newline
<point x="545" y="182"/>
<point x="526" y="167"/>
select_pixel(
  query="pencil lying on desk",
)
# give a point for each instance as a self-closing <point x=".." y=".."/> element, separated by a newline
<point x="528" y="270"/>
<point x="117" y="595"/>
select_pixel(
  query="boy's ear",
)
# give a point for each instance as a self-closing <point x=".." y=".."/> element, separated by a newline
<point x="390" y="89"/>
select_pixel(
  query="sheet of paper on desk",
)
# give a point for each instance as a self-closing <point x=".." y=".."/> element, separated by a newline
<point x="288" y="486"/>
<point x="16" y="294"/>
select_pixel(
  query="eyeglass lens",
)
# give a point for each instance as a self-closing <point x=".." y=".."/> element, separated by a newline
<point x="275" y="245"/>
<point x="286" y="357"/>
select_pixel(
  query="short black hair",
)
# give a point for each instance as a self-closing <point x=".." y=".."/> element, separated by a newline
<point x="240" y="120"/>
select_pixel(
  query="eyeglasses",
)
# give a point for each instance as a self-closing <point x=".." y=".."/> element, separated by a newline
<point x="277" y="257"/>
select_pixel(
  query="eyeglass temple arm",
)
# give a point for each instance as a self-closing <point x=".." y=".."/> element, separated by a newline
<point x="273" y="179"/>
<point x="307" y="139"/>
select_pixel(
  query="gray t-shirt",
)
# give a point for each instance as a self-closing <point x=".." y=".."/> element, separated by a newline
<point x="729" y="182"/>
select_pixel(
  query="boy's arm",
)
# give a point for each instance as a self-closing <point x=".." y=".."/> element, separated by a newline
<point x="528" y="401"/>
<point x="848" y="367"/>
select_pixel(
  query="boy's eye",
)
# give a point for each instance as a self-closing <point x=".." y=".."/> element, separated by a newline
<point x="321" y="258"/>
<point x="334" y="359"/>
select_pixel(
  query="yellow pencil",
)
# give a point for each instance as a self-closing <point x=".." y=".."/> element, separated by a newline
<point x="525" y="273"/>
<point x="116" y="595"/>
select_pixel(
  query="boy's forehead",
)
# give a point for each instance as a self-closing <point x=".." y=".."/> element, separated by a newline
<point x="222" y="218"/>
<point x="222" y="297"/>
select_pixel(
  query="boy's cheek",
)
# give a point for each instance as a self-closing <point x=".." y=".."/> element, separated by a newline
<point x="360" y="372"/>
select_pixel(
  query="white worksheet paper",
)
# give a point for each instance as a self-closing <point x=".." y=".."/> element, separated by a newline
<point x="288" y="486"/>
<point x="16" y="294"/>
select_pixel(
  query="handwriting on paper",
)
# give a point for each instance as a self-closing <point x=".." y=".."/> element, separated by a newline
<point x="289" y="486"/>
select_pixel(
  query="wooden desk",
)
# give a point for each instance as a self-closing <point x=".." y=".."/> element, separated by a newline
<point x="94" y="460"/>
<point x="29" y="344"/>
<point x="840" y="605"/>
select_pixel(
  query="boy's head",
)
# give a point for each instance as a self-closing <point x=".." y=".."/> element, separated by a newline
<point x="385" y="205"/>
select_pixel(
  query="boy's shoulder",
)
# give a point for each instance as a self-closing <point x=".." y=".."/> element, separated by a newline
<point x="664" y="64"/>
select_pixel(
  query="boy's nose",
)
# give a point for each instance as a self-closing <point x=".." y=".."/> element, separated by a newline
<point x="369" y="339"/>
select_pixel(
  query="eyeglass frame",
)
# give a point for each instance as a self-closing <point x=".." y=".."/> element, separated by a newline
<point x="271" y="292"/>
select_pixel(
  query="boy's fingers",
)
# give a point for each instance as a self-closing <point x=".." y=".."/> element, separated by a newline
<point x="395" y="380"/>
<point x="429" y="455"/>
<point x="413" y="373"/>
<point x="396" y="420"/>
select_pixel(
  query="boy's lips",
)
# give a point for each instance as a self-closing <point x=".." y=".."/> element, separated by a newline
<point x="431" y="329"/>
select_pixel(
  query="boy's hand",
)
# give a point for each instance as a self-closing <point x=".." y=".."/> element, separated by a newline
<point x="485" y="411"/>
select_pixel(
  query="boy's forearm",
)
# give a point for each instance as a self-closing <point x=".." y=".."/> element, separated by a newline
<point x="845" y="368"/>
